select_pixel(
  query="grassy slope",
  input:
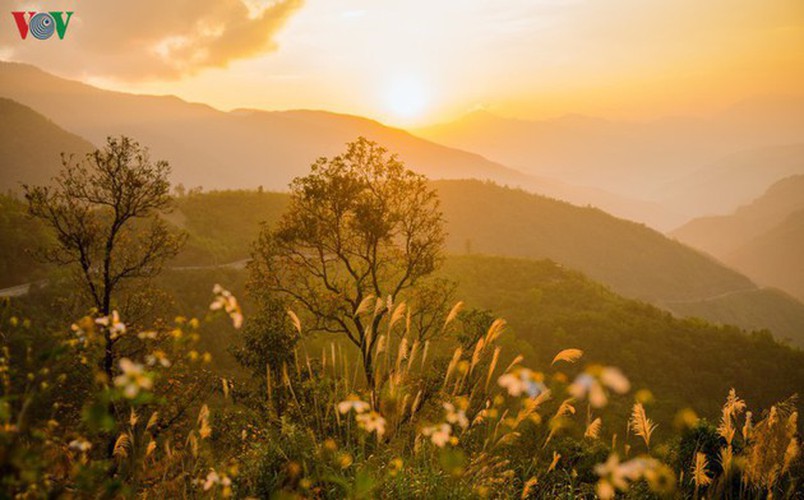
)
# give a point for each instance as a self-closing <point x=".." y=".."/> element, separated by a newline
<point x="18" y="234"/>
<point x="223" y="225"/>
<point x="485" y="218"/>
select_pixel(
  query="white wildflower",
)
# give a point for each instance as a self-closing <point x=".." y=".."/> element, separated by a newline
<point x="81" y="445"/>
<point x="224" y="300"/>
<point x="456" y="416"/>
<point x="113" y="324"/>
<point x="371" y="422"/>
<point x="521" y="381"/>
<point x="353" y="403"/>
<point x="439" y="434"/>
<point x="133" y="379"/>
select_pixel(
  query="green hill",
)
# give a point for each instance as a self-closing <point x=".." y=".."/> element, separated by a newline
<point x="485" y="218"/>
<point x="18" y="235"/>
<point x="632" y="259"/>
<point x="222" y="225"/>
<point x="684" y="362"/>
<point x="31" y="146"/>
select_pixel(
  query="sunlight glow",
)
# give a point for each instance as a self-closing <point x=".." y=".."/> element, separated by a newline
<point x="407" y="97"/>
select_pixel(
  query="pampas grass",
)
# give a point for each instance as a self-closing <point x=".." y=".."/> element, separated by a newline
<point x="568" y="355"/>
<point x="641" y="425"/>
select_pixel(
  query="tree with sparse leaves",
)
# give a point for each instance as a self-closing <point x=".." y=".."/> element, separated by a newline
<point x="105" y="212"/>
<point x="361" y="231"/>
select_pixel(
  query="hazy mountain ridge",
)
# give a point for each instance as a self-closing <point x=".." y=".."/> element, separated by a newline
<point x="31" y="145"/>
<point x="247" y="148"/>
<point x="737" y="179"/>
<point x="639" y="160"/>
<point x="719" y="235"/>
<point x="775" y="257"/>
<point x="764" y="239"/>
<point x="219" y="150"/>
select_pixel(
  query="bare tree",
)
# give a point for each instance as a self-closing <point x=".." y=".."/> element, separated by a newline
<point x="359" y="228"/>
<point x="105" y="211"/>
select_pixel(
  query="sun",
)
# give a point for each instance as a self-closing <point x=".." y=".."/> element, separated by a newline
<point x="407" y="98"/>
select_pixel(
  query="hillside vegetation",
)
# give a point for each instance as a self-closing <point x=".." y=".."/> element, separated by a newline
<point x="550" y="308"/>
<point x="488" y="219"/>
<point x="483" y="218"/>
<point x="634" y="260"/>
<point x="18" y="236"/>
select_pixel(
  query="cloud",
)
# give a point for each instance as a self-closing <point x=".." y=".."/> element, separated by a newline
<point x="147" y="39"/>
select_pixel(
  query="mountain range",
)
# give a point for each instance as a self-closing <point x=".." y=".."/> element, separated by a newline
<point x="763" y="239"/>
<point x="219" y="150"/>
<point x="246" y="148"/>
<point x="654" y="160"/>
<point x="250" y="148"/>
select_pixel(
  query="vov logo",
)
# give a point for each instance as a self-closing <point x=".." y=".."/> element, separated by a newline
<point x="42" y="25"/>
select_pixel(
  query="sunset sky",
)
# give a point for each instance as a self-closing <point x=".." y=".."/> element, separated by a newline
<point x="415" y="62"/>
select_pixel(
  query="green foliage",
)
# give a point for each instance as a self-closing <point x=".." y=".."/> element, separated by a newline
<point x="222" y="225"/>
<point x="361" y="231"/>
<point x="19" y="236"/>
<point x="268" y="341"/>
<point x="456" y="414"/>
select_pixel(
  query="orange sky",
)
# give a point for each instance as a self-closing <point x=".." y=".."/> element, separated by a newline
<point x="414" y="62"/>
